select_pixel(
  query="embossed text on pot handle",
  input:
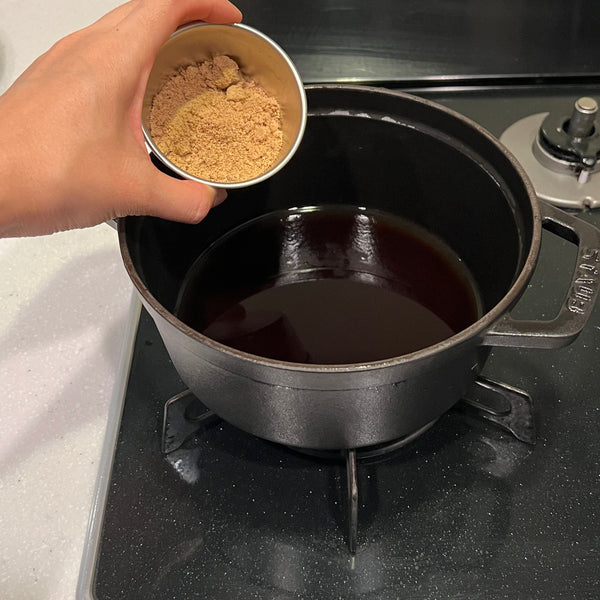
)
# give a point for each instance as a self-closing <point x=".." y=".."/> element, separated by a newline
<point x="580" y="299"/>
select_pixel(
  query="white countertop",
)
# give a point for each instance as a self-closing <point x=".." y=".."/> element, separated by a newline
<point x="65" y="302"/>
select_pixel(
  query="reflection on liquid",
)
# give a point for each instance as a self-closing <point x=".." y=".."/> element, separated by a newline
<point x="291" y="241"/>
<point x="364" y="239"/>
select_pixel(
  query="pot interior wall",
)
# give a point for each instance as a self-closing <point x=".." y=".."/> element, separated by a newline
<point x="383" y="151"/>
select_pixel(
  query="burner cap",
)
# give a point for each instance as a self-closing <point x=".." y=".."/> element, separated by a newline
<point x="560" y="154"/>
<point x="570" y="145"/>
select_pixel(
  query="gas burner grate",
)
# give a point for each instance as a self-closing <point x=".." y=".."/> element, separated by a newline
<point x="507" y="407"/>
<point x="184" y="415"/>
<point x="368" y="452"/>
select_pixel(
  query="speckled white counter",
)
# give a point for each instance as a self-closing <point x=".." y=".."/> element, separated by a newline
<point x="64" y="306"/>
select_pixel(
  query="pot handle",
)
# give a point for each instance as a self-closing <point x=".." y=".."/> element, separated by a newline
<point x="580" y="299"/>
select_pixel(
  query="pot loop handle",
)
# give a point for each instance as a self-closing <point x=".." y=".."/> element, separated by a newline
<point x="580" y="299"/>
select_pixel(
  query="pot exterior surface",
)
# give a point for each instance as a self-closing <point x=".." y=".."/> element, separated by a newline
<point x="367" y="148"/>
<point x="336" y="411"/>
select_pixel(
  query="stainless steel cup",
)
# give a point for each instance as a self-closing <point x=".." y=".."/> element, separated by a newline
<point x="258" y="57"/>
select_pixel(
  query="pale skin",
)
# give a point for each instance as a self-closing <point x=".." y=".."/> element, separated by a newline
<point x="72" y="151"/>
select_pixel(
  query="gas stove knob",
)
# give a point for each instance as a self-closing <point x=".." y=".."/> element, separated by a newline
<point x="583" y="117"/>
<point x="560" y="152"/>
<point x="571" y="144"/>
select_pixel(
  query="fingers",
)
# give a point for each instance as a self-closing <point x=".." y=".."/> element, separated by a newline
<point x="214" y="11"/>
<point x="175" y="12"/>
<point x="178" y="200"/>
<point x="160" y="18"/>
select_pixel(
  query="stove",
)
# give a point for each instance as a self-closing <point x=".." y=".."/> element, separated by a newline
<point x="498" y="498"/>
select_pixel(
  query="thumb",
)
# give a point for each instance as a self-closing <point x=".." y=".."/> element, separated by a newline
<point x="179" y="200"/>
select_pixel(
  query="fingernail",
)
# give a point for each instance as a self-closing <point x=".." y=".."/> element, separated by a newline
<point x="220" y="195"/>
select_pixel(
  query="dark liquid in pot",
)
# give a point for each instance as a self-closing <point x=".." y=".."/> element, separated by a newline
<point x="332" y="285"/>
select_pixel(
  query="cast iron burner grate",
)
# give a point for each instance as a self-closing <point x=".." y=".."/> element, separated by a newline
<point x="506" y="406"/>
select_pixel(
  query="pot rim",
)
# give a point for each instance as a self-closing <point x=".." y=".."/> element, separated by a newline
<point x="475" y="331"/>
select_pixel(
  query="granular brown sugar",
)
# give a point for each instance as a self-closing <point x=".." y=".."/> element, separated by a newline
<point x="215" y="123"/>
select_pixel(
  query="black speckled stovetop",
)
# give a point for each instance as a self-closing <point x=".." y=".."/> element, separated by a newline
<point x="465" y="511"/>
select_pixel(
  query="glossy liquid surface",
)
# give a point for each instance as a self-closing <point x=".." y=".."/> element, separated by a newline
<point x="328" y="286"/>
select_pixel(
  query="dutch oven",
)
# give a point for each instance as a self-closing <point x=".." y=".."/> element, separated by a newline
<point x="399" y="155"/>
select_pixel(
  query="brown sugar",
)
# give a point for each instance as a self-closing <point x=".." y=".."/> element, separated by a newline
<point x="215" y="123"/>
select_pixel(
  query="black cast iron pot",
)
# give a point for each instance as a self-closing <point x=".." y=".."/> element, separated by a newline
<point x="402" y="155"/>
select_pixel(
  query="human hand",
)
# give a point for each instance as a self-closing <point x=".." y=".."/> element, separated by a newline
<point x="72" y="151"/>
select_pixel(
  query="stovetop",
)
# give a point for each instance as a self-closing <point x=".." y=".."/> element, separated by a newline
<point x="464" y="511"/>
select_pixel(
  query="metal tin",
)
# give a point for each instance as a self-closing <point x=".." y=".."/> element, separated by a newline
<point x="258" y="56"/>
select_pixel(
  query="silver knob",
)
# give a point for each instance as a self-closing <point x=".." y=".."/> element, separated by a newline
<point x="581" y="123"/>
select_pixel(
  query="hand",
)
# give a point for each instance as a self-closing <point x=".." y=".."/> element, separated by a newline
<point x="72" y="150"/>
